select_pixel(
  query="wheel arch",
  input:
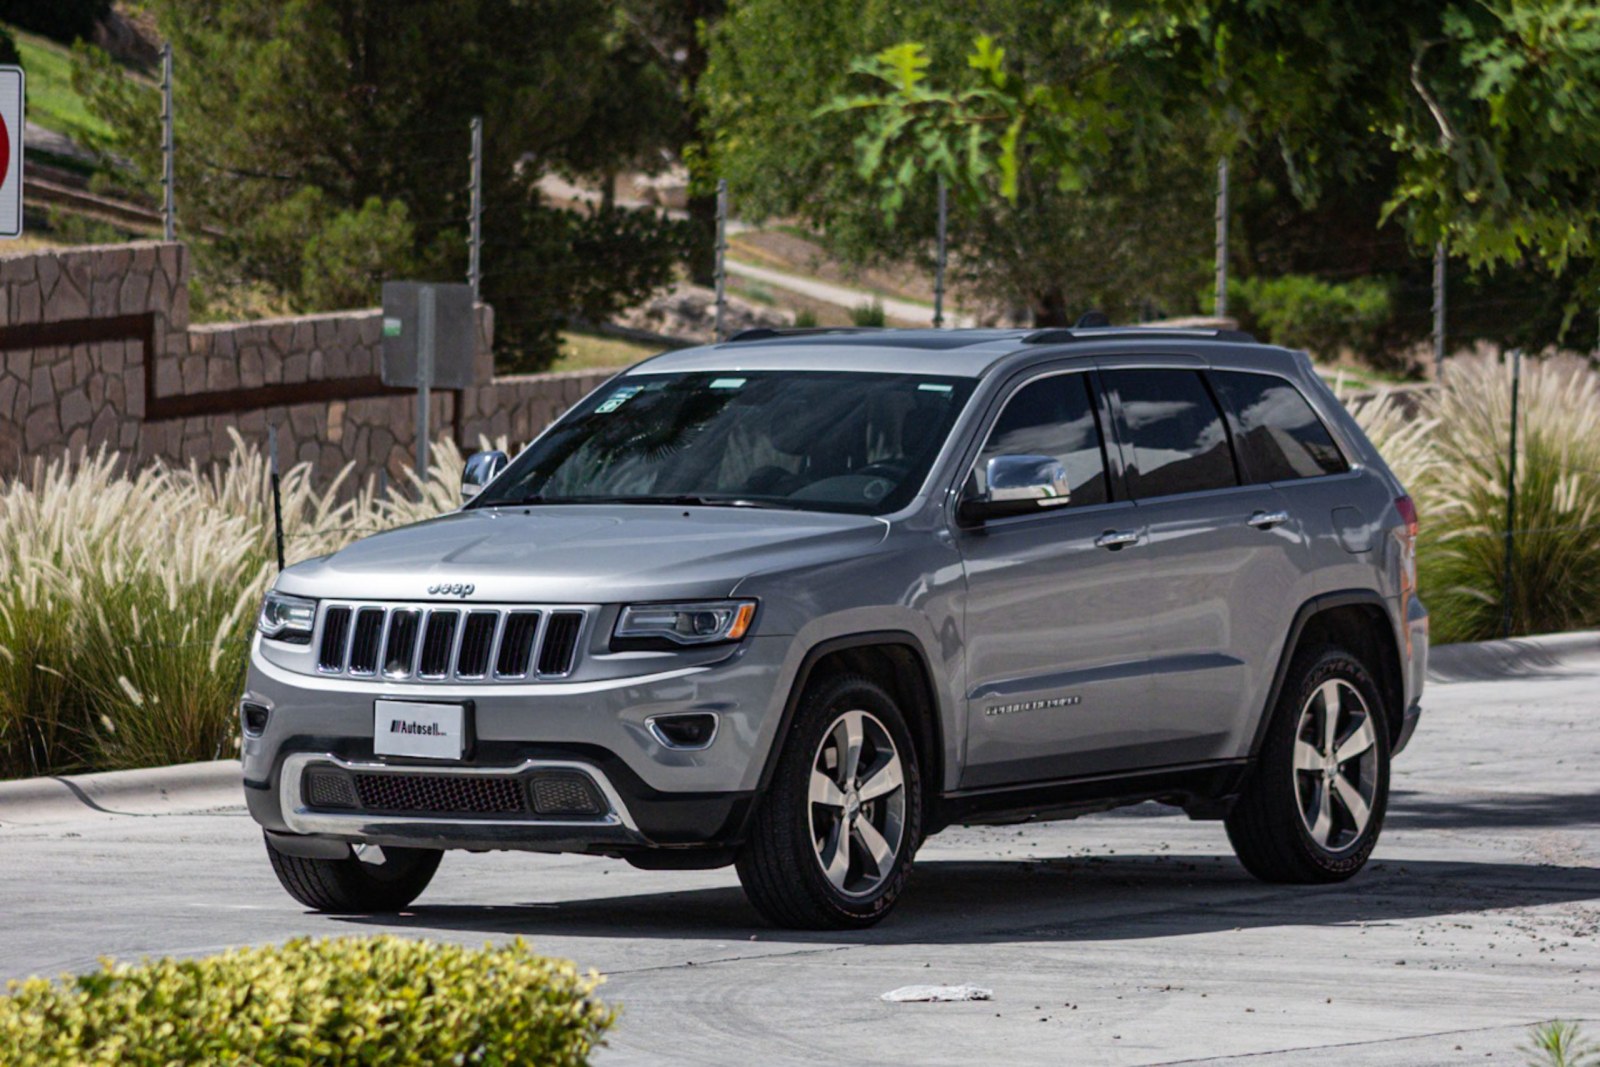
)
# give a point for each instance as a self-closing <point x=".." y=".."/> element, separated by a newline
<point x="1355" y="619"/>
<point x="895" y="660"/>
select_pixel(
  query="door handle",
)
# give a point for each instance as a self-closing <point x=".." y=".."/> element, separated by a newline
<point x="1266" y="520"/>
<point x="1115" y="539"/>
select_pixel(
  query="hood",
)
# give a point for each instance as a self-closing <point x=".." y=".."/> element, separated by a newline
<point x="581" y="553"/>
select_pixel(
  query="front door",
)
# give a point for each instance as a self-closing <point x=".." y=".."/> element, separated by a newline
<point x="1054" y="618"/>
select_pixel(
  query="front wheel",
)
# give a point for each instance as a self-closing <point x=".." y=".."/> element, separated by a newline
<point x="353" y="886"/>
<point x="1313" y="806"/>
<point x="832" y="841"/>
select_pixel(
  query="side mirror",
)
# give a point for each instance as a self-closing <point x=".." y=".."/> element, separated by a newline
<point x="1018" y="485"/>
<point x="481" y="469"/>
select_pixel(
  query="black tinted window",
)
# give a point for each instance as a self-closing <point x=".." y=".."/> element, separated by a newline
<point x="1278" y="435"/>
<point x="1172" y="433"/>
<point x="1053" y="417"/>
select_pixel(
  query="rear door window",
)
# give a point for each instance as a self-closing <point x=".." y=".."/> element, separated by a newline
<point x="1172" y="433"/>
<point x="1279" y="436"/>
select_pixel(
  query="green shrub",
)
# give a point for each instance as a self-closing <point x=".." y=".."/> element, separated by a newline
<point x="127" y="601"/>
<point x="1324" y="318"/>
<point x="1561" y="1044"/>
<point x="1452" y="457"/>
<point x="868" y="314"/>
<point x="805" y="318"/>
<point x="371" y="1000"/>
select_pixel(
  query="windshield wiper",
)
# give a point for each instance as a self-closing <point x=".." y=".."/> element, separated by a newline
<point x="672" y="499"/>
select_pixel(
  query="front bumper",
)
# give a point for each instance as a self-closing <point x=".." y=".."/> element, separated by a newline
<point x="656" y="796"/>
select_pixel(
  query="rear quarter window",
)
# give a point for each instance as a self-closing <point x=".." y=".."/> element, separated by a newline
<point x="1278" y="434"/>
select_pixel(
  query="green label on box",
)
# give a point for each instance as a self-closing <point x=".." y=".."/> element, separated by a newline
<point x="391" y="327"/>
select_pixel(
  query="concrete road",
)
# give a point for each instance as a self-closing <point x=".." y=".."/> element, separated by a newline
<point x="1129" y="938"/>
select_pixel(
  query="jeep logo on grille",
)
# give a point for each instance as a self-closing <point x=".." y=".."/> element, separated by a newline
<point x="452" y="589"/>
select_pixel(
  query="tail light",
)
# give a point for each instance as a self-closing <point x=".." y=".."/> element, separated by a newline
<point x="1408" y="512"/>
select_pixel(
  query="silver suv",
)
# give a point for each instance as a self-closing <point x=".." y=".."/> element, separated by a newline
<point x="796" y="601"/>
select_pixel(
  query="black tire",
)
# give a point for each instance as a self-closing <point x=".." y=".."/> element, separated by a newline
<point x="1268" y="831"/>
<point x="349" y="886"/>
<point x="779" y="865"/>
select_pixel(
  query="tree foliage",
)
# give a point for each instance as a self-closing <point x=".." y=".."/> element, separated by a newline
<point x="1482" y="119"/>
<point x="326" y="142"/>
<point x="787" y="92"/>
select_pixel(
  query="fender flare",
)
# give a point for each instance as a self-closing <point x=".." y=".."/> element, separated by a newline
<point x="814" y="655"/>
<point x="1306" y="612"/>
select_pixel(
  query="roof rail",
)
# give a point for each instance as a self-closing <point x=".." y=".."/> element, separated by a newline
<point x="1067" y="335"/>
<point x="761" y="333"/>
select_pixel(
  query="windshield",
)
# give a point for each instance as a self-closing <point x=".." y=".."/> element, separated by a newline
<point x="830" y="441"/>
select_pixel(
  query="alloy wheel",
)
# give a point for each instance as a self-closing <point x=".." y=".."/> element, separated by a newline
<point x="1335" y="765"/>
<point x="857" y="803"/>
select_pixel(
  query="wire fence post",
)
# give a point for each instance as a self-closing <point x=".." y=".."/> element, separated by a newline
<point x="1438" y="311"/>
<point x="277" y="496"/>
<point x="424" y="376"/>
<point x="1511" y="498"/>
<point x="1222" y="237"/>
<point x="721" y="274"/>
<point x="939" y="256"/>
<point x="475" y="223"/>
<point x="169" y="220"/>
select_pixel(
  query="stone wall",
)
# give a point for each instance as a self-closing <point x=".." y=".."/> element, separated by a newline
<point x="96" y="350"/>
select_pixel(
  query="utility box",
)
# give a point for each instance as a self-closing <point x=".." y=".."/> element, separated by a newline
<point x="454" y="334"/>
<point x="12" y="99"/>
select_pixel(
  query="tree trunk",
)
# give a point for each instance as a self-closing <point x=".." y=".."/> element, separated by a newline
<point x="1050" y="309"/>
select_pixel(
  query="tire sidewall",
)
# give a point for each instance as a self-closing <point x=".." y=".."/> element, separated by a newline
<point x="792" y="792"/>
<point x="1324" y="666"/>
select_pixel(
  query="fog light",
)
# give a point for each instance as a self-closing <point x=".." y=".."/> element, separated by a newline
<point x="325" y="787"/>
<point x="691" y="730"/>
<point x="255" y="718"/>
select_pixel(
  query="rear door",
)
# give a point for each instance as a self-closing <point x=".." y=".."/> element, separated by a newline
<point x="1221" y="560"/>
<point x="1054" y="619"/>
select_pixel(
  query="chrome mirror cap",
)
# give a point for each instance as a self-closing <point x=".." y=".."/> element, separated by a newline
<point x="1040" y="479"/>
<point x="481" y="469"/>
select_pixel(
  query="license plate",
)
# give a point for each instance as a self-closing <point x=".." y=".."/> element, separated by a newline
<point x="409" y="728"/>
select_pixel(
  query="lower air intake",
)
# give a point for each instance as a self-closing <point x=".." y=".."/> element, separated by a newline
<point x="440" y="794"/>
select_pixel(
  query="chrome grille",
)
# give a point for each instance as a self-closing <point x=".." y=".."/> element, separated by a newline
<point x="424" y="643"/>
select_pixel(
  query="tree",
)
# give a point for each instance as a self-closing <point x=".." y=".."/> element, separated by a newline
<point x="314" y="135"/>
<point x="1481" y="119"/>
<point x="1131" y="242"/>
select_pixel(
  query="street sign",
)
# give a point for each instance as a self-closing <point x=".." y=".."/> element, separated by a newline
<point x="430" y="336"/>
<point x="454" y="334"/>
<point x="11" y="128"/>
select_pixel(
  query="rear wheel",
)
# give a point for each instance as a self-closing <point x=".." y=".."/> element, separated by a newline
<point x="1313" y="806"/>
<point x="832" y="842"/>
<point x="354" y="886"/>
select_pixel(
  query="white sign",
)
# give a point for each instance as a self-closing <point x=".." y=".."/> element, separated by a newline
<point x="408" y="728"/>
<point x="11" y="97"/>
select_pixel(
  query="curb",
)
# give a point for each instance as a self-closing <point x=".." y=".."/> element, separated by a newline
<point x="183" y="787"/>
<point x="1517" y="657"/>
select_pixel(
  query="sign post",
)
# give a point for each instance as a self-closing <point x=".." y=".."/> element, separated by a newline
<point x="11" y="127"/>
<point x="430" y="338"/>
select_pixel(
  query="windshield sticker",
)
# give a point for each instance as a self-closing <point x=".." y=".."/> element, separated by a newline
<point x="727" y="383"/>
<point x="935" y="387"/>
<point x="617" y="399"/>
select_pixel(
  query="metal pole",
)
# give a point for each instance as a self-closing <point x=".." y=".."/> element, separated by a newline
<point x="424" y="376"/>
<point x="277" y="497"/>
<point x="1222" y="237"/>
<point x="1438" y="311"/>
<point x="722" y="250"/>
<point x="475" y="224"/>
<point x="939" y="257"/>
<point x="169" y="218"/>
<point x="1511" y="497"/>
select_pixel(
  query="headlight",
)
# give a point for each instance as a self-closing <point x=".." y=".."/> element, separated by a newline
<point x="287" y="618"/>
<point x="643" y="626"/>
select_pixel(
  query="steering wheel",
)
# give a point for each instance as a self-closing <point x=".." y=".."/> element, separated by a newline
<point x="888" y="468"/>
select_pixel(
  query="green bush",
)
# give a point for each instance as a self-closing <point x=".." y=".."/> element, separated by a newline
<point x="127" y="601"/>
<point x="868" y="314"/>
<point x="1324" y="318"/>
<point x="1452" y="456"/>
<point x="373" y="1000"/>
